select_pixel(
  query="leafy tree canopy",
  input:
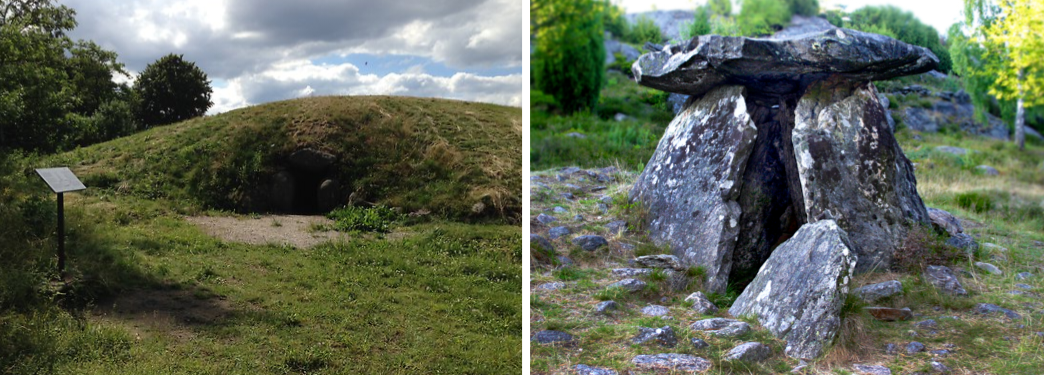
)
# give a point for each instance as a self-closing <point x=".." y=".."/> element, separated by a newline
<point x="172" y="89"/>
<point x="569" y="60"/>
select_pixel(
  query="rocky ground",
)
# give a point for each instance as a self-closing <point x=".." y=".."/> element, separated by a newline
<point x="606" y="301"/>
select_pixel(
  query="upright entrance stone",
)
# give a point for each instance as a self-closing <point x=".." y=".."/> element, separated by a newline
<point x="805" y="139"/>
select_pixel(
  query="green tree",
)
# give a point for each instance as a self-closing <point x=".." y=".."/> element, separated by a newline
<point x="171" y="90"/>
<point x="90" y="70"/>
<point x="569" y="61"/>
<point x="700" y="25"/>
<point x="644" y="30"/>
<point x="720" y="7"/>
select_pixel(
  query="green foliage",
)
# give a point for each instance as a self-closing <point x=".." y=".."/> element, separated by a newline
<point x="172" y="89"/>
<point x="644" y="30"/>
<point x="700" y="25"/>
<point x="720" y="7"/>
<point x="974" y="201"/>
<point x="804" y="7"/>
<point x="894" y="22"/>
<point x="614" y="18"/>
<point x="611" y="294"/>
<point x="763" y="17"/>
<point x="569" y="60"/>
<point x="365" y="219"/>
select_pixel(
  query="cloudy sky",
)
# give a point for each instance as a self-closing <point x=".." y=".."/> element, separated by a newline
<point x="261" y="51"/>
<point x="937" y="13"/>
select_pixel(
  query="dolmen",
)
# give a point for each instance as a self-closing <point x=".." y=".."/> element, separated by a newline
<point x="778" y="135"/>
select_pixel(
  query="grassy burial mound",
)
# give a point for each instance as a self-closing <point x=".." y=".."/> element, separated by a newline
<point x="457" y="160"/>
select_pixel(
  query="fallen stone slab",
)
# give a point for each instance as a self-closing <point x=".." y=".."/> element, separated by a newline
<point x="1023" y="276"/>
<point x="989" y="268"/>
<point x="588" y="370"/>
<point x="689" y="186"/>
<point x="712" y="324"/>
<point x="732" y="330"/>
<point x="660" y="261"/>
<point x="875" y="292"/>
<point x="749" y="351"/>
<point x="551" y="337"/>
<point x="871" y="369"/>
<point x="799" y="292"/>
<point x="663" y="335"/>
<point x="655" y="310"/>
<point x="942" y="278"/>
<point x="551" y="286"/>
<point x="629" y="285"/>
<point x="671" y="362"/>
<point x="556" y="232"/>
<point x="778" y="65"/>
<point x="590" y="242"/>
<point x="944" y="221"/>
<point x="888" y="314"/>
<point x="990" y="309"/>
<point x="631" y="272"/>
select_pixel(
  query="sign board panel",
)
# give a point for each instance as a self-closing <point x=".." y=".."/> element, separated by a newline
<point x="60" y="179"/>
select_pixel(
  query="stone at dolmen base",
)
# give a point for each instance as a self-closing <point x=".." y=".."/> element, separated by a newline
<point x="778" y="133"/>
<point x="800" y="290"/>
<point x="691" y="184"/>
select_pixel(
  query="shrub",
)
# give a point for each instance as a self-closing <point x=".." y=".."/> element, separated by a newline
<point x="644" y="30"/>
<point x="924" y="247"/>
<point x="570" y="54"/>
<point x="974" y="201"/>
<point x="700" y="24"/>
<point x="762" y="17"/>
<point x="369" y="219"/>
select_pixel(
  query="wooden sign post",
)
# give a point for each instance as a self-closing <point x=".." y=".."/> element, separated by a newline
<point x="61" y="180"/>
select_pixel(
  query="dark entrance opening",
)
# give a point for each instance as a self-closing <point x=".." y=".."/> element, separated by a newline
<point x="305" y="200"/>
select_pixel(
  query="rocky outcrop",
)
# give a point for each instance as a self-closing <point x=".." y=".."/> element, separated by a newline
<point x="800" y="290"/>
<point x="778" y="66"/>
<point x="691" y="184"/>
<point x="853" y="171"/>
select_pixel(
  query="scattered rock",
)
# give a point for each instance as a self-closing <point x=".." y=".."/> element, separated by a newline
<point x="564" y="261"/>
<point x="701" y="304"/>
<point x="631" y="272"/>
<point x="919" y="119"/>
<point x="989" y="308"/>
<point x="660" y="261"/>
<point x="988" y="268"/>
<point x="964" y="242"/>
<point x="655" y="310"/>
<point x="590" y="242"/>
<point x="672" y="362"/>
<point x="940" y="352"/>
<point x="630" y="285"/>
<point x="952" y="150"/>
<point x="1023" y="276"/>
<point x="750" y="352"/>
<point x="605" y="307"/>
<point x="891" y="349"/>
<point x="994" y="247"/>
<point x="1024" y="286"/>
<point x="550" y="337"/>
<point x="551" y="286"/>
<point x="567" y="196"/>
<point x="914" y="347"/>
<point x="540" y="249"/>
<point x="578" y="218"/>
<point x="939" y="368"/>
<point x="942" y="278"/>
<point x="987" y="170"/>
<point x="588" y="370"/>
<point x="559" y="210"/>
<point x="329" y="195"/>
<point x="927" y="324"/>
<point x="871" y="369"/>
<point x="556" y="232"/>
<point x="799" y="291"/>
<point x="607" y="199"/>
<point x="712" y="324"/>
<point x="664" y="336"/>
<point x="699" y="344"/>
<point x="944" y="221"/>
<point x="889" y="314"/>
<point x="732" y="330"/>
<point x="875" y="292"/>
<point x="546" y="219"/>
<point x="801" y="366"/>
<point x="617" y="227"/>
<point x="576" y="135"/>
<point x="620" y="117"/>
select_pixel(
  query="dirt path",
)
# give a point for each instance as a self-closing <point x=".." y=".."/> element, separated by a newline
<point x="295" y="230"/>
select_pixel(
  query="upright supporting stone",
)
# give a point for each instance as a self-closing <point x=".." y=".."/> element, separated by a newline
<point x="690" y="186"/>
<point x="852" y="169"/>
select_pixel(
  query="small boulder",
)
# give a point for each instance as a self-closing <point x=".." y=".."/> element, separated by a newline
<point x="631" y="272"/>
<point x="927" y="324"/>
<point x="987" y="170"/>
<point x="556" y="232"/>
<point x="1023" y="276"/>
<point x="551" y="337"/>
<point x="590" y="242"/>
<point x="671" y="362"/>
<point x="617" y="227"/>
<point x="939" y="368"/>
<point x="750" y="352"/>
<point x="942" y="278"/>
<point x="875" y="292"/>
<point x="664" y="336"/>
<point x="655" y="310"/>
<point x="701" y="304"/>
<point x="989" y="309"/>
<point x="888" y="314"/>
<point x="871" y="369"/>
<point x="988" y="268"/>
<point x="588" y="370"/>
<point x="964" y="242"/>
<point x="329" y="195"/>
<point x="944" y="221"/>
<point x="546" y="219"/>
<point x="660" y="261"/>
<point x="551" y="286"/>
<point x="914" y="347"/>
<point x="699" y="344"/>
<point x="952" y="150"/>
<point x="712" y="324"/>
<point x="732" y="330"/>
<point x="559" y="210"/>
<point x="630" y="285"/>
<point x="605" y="307"/>
<point x="540" y="249"/>
<point x="993" y="247"/>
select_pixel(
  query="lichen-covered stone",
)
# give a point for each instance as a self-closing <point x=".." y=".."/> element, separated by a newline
<point x="588" y="370"/>
<point x="701" y="304"/>
<point x="630" y="285"/>
<point x="874" y="292"/>
<point x="778" y="65"/>
<point x="942" y="278"/>
<point x="749" y="351"/>
<point x="551" y="337"/>
<point x="691" y="183"/>
<point x="944" y="221"/>
<point x="663" y="335"/>
<point x="671" y="362"/>
<point x="660" y="261"/>
<point x="799" y="291"/>
<point x="853" y="171"/>
<point x="590" y="242"/>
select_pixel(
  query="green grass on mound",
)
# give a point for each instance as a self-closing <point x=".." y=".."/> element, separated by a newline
<point x="440" y="155"/>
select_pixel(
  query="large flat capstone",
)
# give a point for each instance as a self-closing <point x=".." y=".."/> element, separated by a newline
<point x="781" y="65"/>
<point x="691" y="184"/>
<point x="799" y="292"/>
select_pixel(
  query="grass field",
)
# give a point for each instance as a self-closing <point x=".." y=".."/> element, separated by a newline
<point x="154" y="293"/>
<point x="1006" y="210"/>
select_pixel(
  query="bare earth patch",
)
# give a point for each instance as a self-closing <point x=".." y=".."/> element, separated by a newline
<point x="295" y="230"/>
<point x="166" y="312"/>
